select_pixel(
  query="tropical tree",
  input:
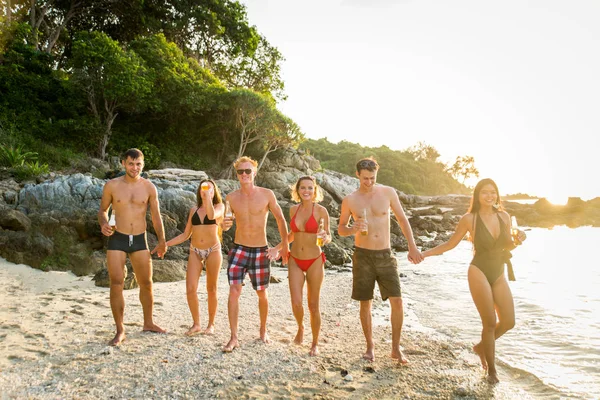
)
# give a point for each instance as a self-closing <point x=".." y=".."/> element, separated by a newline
<point x="284" y="133"/>
<point x="111" y="77"/>
<point x="423" y="151"/>
<point x="463" y="167"/>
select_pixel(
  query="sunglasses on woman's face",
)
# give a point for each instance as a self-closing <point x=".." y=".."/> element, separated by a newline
<point x="248" y="171"/>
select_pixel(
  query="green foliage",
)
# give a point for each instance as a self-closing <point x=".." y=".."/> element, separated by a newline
<point x="15" y="156"/>
<point x="399" y="169"/>
<point x="29" y="170"/>
<point x="463" y="167"/>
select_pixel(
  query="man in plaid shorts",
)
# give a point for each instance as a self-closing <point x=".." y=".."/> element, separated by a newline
<point x="251" y="205"/>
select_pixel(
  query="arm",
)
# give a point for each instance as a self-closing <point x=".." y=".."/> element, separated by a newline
<point x="213" y="211"/>
<point x="461" y="230"/>
<point x="290" y="234"/>
<point x="161" y="247"/>
<point x="105" y="203"/>
<point x="186" y="234"/>
<point x="414" y="255"/>
<point x="281" y="225"/>
<point x="343" y="228"/>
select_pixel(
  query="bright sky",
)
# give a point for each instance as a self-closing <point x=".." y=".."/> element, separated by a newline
<point x="514" y="84"/>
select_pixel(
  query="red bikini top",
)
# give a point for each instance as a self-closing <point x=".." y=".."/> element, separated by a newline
<point x="311" y="226"/>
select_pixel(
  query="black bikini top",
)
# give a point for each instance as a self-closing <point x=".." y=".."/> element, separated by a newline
<point x="196" y="219"/>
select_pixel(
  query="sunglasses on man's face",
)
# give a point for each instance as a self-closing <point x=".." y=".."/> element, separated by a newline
<point x="248" y="171"/>
<point x="367" y="164"/>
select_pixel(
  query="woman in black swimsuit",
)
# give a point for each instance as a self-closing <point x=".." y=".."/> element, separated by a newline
<point x="489" y="229"/>
<point x="205" y="251"/>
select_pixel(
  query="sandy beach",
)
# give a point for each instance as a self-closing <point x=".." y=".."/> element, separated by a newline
<point x="55" y="326"/>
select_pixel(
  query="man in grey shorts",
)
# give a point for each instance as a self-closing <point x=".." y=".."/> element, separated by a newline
<point x="373" y="260"/>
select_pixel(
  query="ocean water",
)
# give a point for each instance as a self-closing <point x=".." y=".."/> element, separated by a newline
<point x="554" y="349"/>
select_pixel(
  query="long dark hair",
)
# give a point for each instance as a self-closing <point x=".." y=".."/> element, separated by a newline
<point x="475" y="204"/>
<point x="217" y="197"/>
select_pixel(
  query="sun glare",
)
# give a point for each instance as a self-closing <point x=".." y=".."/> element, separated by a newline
<point x="558" y="200"/>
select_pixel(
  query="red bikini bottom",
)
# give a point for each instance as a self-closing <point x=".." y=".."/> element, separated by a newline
<point x="305" y="264"/>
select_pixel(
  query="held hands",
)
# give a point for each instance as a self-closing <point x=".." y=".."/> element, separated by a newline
<point x="273" y="254"/>
<point x="160" y="249"/>
<point x="415" y="256"/>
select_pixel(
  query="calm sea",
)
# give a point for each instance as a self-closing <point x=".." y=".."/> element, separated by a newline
<point x="554" y="349"/>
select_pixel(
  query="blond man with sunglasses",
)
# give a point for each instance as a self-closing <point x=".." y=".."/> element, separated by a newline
<point x="251" y="205"/>
<point x="373" y="260"/>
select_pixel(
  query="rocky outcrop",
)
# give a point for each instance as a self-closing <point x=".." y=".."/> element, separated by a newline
<point x="52" y="223"/>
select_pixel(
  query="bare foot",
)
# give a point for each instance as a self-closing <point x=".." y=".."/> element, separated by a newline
<point x="264" y="337"/>
<point x="314" y="351"/>
<point x="232" y="345"/>
<point x="398" y="355"/>
<point x="210" y="330"/>
<point x="369" y="354"/>
<point x="194" y="330"/>
<point x="118" y="339"/>
<point x="153" y="328"/>
<point x="492" y="378"/>
<point x="479" y="351"/>
<point x="299" y="336"/>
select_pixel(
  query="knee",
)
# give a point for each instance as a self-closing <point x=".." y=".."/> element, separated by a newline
<point x="262" y="294"/>
<point x="297" y="305"/>
<point x="395" y="302"/>
<point x="489" y="325"/>
<point x="191" y="289"/>
<point x="145" y="284"/>
<point x="313" y="307"/>
<point x="235" y="291"/>
<point x="508" y="324"/>
<point x="211" y="289"/>
<point x="117" y="283"/>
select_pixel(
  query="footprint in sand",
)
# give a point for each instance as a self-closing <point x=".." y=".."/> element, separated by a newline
<point x="45" y="304"/>
<point x="77" y="312"/>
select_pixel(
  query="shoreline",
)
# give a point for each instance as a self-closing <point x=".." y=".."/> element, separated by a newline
<point x="55" y="330"/>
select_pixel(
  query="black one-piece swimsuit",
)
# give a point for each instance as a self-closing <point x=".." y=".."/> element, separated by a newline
<point x="491" y="254"/>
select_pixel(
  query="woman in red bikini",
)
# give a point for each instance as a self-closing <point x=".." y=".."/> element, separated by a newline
<point x="307" y="261"/>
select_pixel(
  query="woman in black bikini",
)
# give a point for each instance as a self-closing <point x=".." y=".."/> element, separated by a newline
<point x="205" y="251"/>
<point x="489" y="227"/>
<point x="307" y="260"/>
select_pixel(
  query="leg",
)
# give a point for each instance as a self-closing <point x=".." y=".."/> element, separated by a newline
<point x="263" y="310"/>
<point x="314" y="280"/>
<point x="194" y="269"/>
<point x="366" y="322"/>
<point x="116" y="262"/>
<point x="505" y="306"/>
<point x="213" y="266"/>
<point x="142" y="267"/>
<point x="296" y="283"/>
<point x="397" y="321"/>
<point x="233" y="310"/>
<point x="481" y="292"/>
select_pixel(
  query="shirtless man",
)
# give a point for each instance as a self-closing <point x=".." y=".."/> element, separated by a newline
<point x="251" y="205"/>
<point x="130" y="195"/>
<point x="373" y="260"/>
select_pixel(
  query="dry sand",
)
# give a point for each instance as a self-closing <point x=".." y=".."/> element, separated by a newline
<point x="55" y="326"/>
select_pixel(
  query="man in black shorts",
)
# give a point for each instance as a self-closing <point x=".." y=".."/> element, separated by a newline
<point x="373" y="260"/>
<point x="130" y="195"/>
<point x="251" y="205"/>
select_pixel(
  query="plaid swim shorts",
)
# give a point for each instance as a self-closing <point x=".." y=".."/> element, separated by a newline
<point x="251" y="260"/>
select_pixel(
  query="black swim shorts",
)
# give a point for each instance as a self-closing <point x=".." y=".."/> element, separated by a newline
<point x="127" y="243"/>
